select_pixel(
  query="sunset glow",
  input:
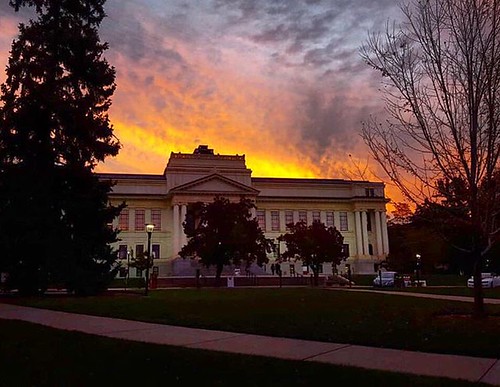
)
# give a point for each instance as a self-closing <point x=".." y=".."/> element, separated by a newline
<point x="282" y="83"/>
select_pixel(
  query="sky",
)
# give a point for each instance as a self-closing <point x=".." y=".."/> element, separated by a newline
<point x="279" y="81"/>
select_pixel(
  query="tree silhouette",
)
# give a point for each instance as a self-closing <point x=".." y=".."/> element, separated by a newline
<point x="223" y="233"/>
<point x="441" y="87"/>
<point x="314" y="245"/>
<point x="54" y="129"/>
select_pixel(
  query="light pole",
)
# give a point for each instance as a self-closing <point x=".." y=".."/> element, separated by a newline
<point x="418" y="256"/>
<point x="149" y="231"/>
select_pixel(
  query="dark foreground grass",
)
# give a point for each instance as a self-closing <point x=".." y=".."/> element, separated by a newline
<point x="365" y="318"/>
<point x="32" y="355"/>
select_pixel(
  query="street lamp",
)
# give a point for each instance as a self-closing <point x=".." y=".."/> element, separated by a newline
<point x="418" y="256"/>
<point x="149" y="231"/>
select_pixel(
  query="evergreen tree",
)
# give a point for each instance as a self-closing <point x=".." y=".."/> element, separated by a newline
<point x="54" y="129"/>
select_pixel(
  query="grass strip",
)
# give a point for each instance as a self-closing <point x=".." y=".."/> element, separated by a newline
<point x="364" y="318"/>
<point x="33" y="355"/>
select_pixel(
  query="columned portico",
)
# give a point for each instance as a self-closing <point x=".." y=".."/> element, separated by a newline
<point x="182" y="220"/>
<point x="175" y="230"/>
<point x="359" y="236"/>
<point x="204" y="175"/>
<point x="364" y="232"/>
<point x="385" y="237"/>
<point x="378" y="231"/>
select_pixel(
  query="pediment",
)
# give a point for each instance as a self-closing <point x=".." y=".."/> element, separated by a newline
<point x="215" y="184"/>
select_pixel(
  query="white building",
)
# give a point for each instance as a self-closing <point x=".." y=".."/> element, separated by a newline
<point x="355" y="208"/>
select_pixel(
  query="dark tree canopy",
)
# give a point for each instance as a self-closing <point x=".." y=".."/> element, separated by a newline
<point x="441" y="88"/>
<point x="54" y="129"/>
<point x="58" y="89"/>
<point x="314" y="245"/>
<point x="223" y="233"/>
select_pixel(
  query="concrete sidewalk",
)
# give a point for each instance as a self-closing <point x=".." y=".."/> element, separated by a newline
<point x="491" y="301"/>
<point x="451" y="366"/>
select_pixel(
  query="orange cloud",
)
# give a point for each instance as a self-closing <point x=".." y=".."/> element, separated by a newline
<point x="178" y="88"/>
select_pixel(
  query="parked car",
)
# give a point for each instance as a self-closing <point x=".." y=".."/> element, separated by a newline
<point x="388" y="279"/>
<point x="488" y="280"/>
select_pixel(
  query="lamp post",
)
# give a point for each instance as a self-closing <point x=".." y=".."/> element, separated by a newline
<point x="149" y="231"/>
<point x="418" y="256"/>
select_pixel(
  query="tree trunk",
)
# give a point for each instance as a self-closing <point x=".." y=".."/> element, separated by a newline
<point x="218" y="274"/>
<point x="479" y="311"/>
<point x="316" y="275"/>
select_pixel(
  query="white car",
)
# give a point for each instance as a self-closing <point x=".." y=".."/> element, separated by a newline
<point x="488" y="280"/>
<point x="388" y="279"/>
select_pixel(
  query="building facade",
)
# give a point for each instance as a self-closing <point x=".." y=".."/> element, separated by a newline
<point x="355" y="208"/>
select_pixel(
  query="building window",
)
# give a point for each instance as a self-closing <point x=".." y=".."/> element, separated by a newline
<point x="140" y="220"/>
<point x="155" y="249"/>
<point x="139" y="251"/>
<point x="122" y="252"/>
<point x="369" y="192"/>
<point x="345" y="250"/>
<point x="122" y="272"/>
<point x="368" y="221"/>
<point x="329" y="219"/>
<point x="288" y="217"/>
<point x="370" y="249"/>
<point x="156" y="219"/>
<point x="123" y="220"/>
<point x="303" y="216"/>
<point x="275" y="221"/>
<point x="138" y="272"/>
<point x="316" y="216"/>
<point x="261" y="218"/>
<point x="344" y="226"/>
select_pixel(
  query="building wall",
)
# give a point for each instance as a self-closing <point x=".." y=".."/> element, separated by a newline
<point x="191" y="178"/>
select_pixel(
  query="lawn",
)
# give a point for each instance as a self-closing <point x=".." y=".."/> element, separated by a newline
<point x="365" y="318"/>
<point x="32" y="355"/>
<point x="450" y="291"/>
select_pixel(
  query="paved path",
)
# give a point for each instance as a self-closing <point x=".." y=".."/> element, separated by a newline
<point x="451" y="366"/>
<point x="492" y="301"/>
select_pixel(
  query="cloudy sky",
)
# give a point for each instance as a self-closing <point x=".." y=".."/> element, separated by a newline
<point x="280" y="81"/>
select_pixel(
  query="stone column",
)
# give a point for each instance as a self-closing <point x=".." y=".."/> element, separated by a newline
<point x="182" y="220"/>
<point x="359" y="235"/>
<point x="322" y="217"/>
<point x="385" y="237"/>
<point x="175" y="231"/>
<point x="378" y="230"/>
<point x="309" y="217"/>
<point x="295" y="216"/>
<point x="364" y="231"/>
<point x="253" y="212"/>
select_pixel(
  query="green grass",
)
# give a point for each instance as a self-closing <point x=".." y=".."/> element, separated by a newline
<point x="32" y="355"/>
<point x="364" y="318"/>
<point x="450" y="291"/>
